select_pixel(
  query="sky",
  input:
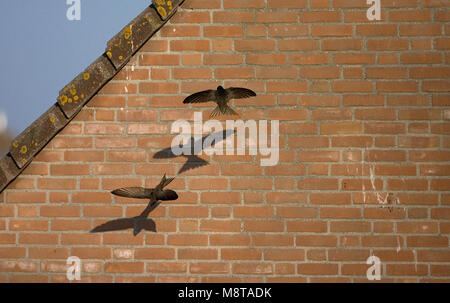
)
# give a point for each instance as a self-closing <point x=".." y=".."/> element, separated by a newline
<point x="41" y="50"/>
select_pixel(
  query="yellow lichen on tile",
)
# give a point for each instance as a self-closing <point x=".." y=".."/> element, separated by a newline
<point x="63" y="99"/>
<point x="73" y="91"/>
<point x="162" y="12"/>
<point x="147" y="17"/>
<point x="86" y="76"/>
<point x="23" y="149"/>
<point x="15" y="144"/>
<point x="128" y="31"/>
<point x="52" y="119"/>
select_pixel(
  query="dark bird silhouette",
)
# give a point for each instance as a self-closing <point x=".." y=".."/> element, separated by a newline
<point x="221" y="96"/>
<point x="140" y="222"/>
<point x="154" y="194"/>
<point x="193" y="161"/>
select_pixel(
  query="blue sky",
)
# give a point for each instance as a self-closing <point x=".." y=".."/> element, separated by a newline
<point x="41" y="50"/>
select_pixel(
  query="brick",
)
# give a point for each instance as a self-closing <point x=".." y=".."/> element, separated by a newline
<point x="409" y="15"/>
<point x="224" y="226"/>
<point x="340" y="213"/>
<point x="341" y="44"/>
<point x="301" y="44"/>
<point x="273" y="240"/>
<point x="202" y="4"/>
<point x="189" y="17"/>
<point x="332" y="30"/>
<point x="229" y="240"/>
<point x="187" y="239"/>
<point x="198" y="254"/>
<point x="209" y="267"/>
<point x="406" y="270"/>
<point x="263" y="226"/>
<point x="172" y="267"/>
<point x="382" y="241"/>
<point x="233" y="31"/>
<point x="253" y="211"/>
<point x="387" y="44"/>
<point x="420" y="30"/>
<point x="124" y="267"/>
<point x="348" y="255"/>
<point x="317" y="269"/>
<point x="18" y="266"/>
<point x="28" y="225"/>
<point x="421" y="58"/>
<point x="189" y="45"/>
<point x="17" y="197"/>
<point x="241" y="254"/>
<point x="320" y="16"/>
<point x="427" y="241"/>
<point x="318" y="184"/>
<point x="252" y="268"/>
<point x="441" y="43"/>
<point x="433" y="255"/>
<point x="59" y="211"/>
<point x="239" y="4"/>
<point x="384" y="128"/>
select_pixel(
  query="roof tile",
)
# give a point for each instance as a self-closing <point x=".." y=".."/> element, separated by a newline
<point x="37" y="135"/>
<point x="123" y="45"/>
<point x="8" y="171"/>
<point x="81" y="89"/>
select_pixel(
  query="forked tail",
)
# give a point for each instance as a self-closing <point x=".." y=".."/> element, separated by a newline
<point x="226" y="110"/>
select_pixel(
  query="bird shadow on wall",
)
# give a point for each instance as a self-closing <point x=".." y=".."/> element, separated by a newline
<point x="137" y="223"/>
<point x="192" y="159"/>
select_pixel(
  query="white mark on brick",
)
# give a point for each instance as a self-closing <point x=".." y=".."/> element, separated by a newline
<point x="92" y="267"/>
<point x="123" y="253"/>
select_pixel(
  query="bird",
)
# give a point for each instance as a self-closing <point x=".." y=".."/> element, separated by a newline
<point x="154" y="194"/>
<point x="193" y="161"/>
<point x="221" y="96"/>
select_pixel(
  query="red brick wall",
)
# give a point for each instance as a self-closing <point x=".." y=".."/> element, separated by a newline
<point x="363" y="110"/>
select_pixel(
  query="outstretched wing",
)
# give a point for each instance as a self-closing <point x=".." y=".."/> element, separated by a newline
<point x="239" y="92"/>
<point x="164" y="182"/>
<point x="133" y="192"/>
<point x="204" y="96"/>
